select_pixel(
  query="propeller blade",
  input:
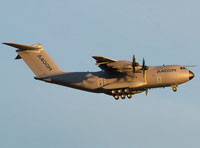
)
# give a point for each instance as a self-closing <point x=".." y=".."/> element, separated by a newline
<point x="143" y="63"/>
<point x="144" y="67"/>
<point x="143" y="71"/>
<point x="146" y="92"/>
<point x="133" y="63"/>
<point x="133" y="59"/>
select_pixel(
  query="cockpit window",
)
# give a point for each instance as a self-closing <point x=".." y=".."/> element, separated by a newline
<point x="182" y="68"/>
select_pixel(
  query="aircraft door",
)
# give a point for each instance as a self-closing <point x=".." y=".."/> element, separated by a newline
<point x="100" y="82"/>
<point x="159" y="79"/>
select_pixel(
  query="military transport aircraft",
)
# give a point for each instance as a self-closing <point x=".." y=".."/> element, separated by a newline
<point x="117" y="78"/>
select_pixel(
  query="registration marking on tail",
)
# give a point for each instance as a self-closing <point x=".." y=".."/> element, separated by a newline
<point x="44" y="62"/>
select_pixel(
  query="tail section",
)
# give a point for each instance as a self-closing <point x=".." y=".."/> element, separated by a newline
<point x="36" y="58"/>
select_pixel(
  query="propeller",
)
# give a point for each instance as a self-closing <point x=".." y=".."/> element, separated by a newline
<point x="134" y="63"/>
<point x="144" y="68"/>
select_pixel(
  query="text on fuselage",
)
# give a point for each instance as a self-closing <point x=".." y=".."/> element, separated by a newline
<point x="166" y="70"/>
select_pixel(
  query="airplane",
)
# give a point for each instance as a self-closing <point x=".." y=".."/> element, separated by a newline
<point x="117" y="78"/>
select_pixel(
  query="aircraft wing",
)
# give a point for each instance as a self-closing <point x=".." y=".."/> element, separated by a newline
<point x="102" y="60"/>
<point x="110" y="65"/>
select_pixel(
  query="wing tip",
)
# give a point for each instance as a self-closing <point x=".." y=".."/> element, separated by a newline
<point x="5" y="43"/>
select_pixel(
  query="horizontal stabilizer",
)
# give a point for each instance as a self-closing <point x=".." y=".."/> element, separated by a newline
<point x="24" y="47"/>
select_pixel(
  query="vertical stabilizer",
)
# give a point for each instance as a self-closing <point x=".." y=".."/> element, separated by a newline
<point x="36" y="58"/>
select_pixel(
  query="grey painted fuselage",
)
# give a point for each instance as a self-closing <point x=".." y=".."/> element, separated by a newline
<point x="102" y="82"/>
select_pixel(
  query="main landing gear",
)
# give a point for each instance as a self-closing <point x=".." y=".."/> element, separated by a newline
<point x="121" y="93"/>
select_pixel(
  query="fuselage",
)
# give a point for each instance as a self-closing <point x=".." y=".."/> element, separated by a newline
<point x="103" y="82"/>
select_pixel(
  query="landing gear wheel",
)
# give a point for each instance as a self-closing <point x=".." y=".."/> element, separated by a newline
<point x="123" y="96"/>
<point x="129" y="96"/>
<point x="113" y="91"/>
<point x="174" y="89"/>
<point x="119" y="91"/>
<point x="116" y="97"/>
<point x="126" y="90"/>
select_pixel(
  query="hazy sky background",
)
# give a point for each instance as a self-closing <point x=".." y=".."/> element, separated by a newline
<point x="35" y="114"/>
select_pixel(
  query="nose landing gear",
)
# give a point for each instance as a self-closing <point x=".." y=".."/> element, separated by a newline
<point x="174" y="87"/>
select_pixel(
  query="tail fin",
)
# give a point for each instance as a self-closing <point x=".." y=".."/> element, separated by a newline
<point x="36" y="58"/>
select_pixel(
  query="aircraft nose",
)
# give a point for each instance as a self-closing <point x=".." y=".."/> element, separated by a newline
<point x="191" y="75"/>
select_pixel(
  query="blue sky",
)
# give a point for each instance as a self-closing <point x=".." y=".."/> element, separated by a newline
<point x="36" y="114"/>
